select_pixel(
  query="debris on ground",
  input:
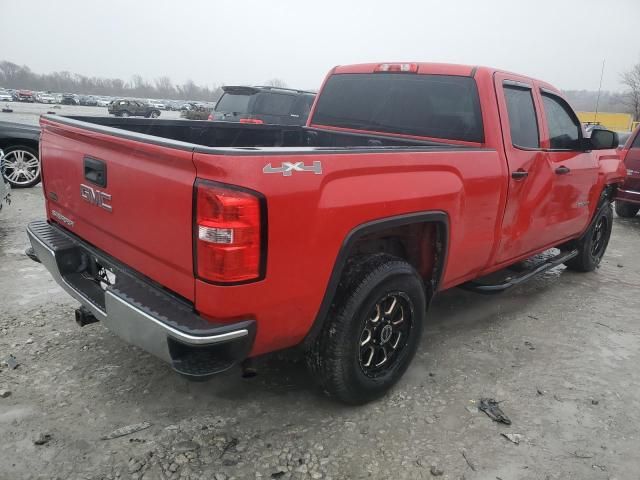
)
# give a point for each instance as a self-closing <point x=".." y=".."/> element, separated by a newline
<point x="529" y="345"/>
<point x="580" y="454"/>
<point x="43" y="439"/>
<point x="472" y="466"/>
<point x="513" y="437"/>
<point x="436" y="471"/>
<point x="4" y="393"/>
<point x="278" y="474"/>
<point x="129" y="429"/>
<point x="492" y="409"/>
<point x="594" y="402"/>
<point x="539" y="391"/>
<point x="11" y="362"/>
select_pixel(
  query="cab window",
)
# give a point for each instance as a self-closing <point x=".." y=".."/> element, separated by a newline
<point x="523" y="123"/>
<point x="564" y="127"/>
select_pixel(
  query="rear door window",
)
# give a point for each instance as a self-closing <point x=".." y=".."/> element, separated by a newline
<point x="437" y="106"/>
<point x="523" y="123"/>
<point x="302" y="106"/>
<point x="564" y="127"/>
<point x="269" y="103"/>
<point x="230" y="103"/>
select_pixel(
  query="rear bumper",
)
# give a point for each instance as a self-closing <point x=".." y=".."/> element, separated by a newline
<point x="137" y="310"/>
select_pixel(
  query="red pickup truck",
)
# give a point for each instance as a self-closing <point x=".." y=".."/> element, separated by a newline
<point x="208" y="243"/>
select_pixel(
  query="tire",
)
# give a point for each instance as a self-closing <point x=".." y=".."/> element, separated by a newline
<point x="124" y="114"/>
<point x="626" y="210"/>
<point x="594" y="242"/>
<point x="154" y="114"/>
<point x="21" y="166"/>
<point x="380" y="301"/>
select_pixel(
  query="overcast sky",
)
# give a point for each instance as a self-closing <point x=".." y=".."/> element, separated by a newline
<point x="249" y="42"/>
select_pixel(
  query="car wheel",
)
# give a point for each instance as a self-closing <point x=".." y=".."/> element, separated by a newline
<point x="21" y="166"/>
<point x="626" y="210"/>
<point x="154" y="114"/>
<point x="594" y="242"/>
<point x="124" y="114"/>
<point x="373" y="329"/>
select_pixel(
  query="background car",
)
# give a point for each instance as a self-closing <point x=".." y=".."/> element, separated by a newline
<point x="69" y="99"/>
<point x="132" y="108"/>
<point x="20" y="166"/>
<point x="5" y="96"/>
<point x="88" y="101"/>
<point x="281" y="106"/>
<point x="46" y="98"/>
<point x="26" y="96"/>
<point x="103" y="102"/>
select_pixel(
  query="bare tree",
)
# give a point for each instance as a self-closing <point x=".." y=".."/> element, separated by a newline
<point x="277" y="82"/>
<point x="632" y="98"/>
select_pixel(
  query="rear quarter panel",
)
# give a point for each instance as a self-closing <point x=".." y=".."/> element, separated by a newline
<point x="309" y="217"/>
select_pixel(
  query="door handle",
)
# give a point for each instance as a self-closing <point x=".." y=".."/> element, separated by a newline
<point x="519" y="174"/>
<point x="562" y="170"/>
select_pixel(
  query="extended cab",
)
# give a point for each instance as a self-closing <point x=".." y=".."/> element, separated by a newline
<point x="132" y="108"/>
<point x="208" y="243"/>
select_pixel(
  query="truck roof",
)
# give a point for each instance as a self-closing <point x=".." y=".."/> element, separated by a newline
<point x="431" y="68"/>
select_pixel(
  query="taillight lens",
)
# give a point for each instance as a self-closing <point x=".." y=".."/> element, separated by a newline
<point x="228" y="233"/>
<point x="255" y="121"/>
<point x="210" y="117"/>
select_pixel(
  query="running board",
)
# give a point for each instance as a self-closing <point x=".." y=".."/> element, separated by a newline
<point x="488" y="289"/>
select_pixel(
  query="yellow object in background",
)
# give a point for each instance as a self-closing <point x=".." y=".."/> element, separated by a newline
<point x="618" y="122"/>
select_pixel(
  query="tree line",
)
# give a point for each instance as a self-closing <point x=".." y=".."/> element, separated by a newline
<point x="21" y="77"/>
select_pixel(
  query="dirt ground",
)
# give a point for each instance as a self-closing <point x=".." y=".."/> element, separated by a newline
<point x="561" y="354"/>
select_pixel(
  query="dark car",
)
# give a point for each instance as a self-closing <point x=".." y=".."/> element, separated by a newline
<point x="280" y="106"/>
<point x="69" y="99"/>
<point x="628" y="195"/>
<point x="20" y="165"/>
<point x="132" y="108"/>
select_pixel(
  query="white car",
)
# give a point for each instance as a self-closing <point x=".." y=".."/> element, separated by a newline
<point x="103" y="102"/>
<point x="5" y="96"/>
<point x="158" y="105"/>
<point x="46" y="98"/>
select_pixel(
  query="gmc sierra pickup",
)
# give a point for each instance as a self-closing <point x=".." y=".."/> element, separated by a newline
<point x="208" y="243"/>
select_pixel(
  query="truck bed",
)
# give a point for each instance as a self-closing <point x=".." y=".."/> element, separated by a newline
<point x="235" y="135"/>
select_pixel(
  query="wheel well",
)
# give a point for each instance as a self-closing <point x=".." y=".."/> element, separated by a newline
<point x="14" y="142"/>
<point x="419" y="238"/>
<point x="420" y="244"/>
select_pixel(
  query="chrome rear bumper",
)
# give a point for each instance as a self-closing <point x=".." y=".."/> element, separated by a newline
<point x="138" y="311"/>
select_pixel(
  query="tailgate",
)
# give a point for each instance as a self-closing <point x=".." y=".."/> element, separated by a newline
<point x="142" y="216"/>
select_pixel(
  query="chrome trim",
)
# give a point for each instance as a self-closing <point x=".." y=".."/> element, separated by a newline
<point x="630" y="192"/>
<point x="184" y="337"/>
<point x="125" y="319"/>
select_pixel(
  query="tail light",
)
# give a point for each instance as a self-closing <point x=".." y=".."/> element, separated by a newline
<point x="397" y="67"/>
<point x="255" y="121"/>
<point x="210" y="117"/>
<point x="229" y="234"/>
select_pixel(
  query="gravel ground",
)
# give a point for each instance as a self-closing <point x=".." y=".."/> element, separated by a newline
<point x="560" y="353"/>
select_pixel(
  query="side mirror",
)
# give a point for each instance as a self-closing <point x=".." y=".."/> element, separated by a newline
<point x="603" y="139"/>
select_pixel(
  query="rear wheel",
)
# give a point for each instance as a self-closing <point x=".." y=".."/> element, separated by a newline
<point x="626" y="210"/>
<point x="21" y="166"/>
<point x="593" y="244"/>
<point x="373" y="329"/>
<point x="124" y="114"/>
<point x="154" y="114"/>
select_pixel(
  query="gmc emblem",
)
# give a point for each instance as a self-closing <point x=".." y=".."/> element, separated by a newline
<point x="96" y="197"/>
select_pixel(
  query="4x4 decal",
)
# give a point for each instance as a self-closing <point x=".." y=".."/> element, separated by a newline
<point x="287" y="168"/>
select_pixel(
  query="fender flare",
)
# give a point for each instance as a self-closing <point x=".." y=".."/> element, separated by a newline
<point x="431" y="216"/>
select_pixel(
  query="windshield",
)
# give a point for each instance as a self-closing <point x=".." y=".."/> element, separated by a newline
<point x="437" y="106"/>
<point x="231" y="103"/>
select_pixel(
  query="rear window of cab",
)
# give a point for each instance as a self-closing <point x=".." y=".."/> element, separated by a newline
<point x="436" y="106"/>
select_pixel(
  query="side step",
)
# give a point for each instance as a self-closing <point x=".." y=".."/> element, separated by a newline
<point x="512" y="281"/>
